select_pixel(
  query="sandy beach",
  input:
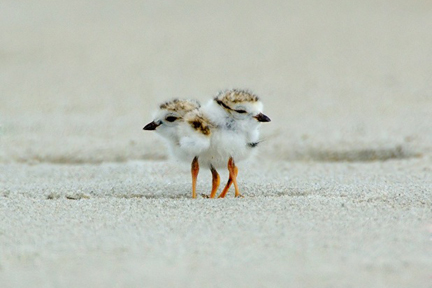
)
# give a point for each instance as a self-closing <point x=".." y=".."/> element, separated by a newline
<point x="340" y="194"/>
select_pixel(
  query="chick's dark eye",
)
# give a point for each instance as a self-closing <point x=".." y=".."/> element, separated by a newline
<point x="171" y="118"/>
<point x="241" y="111"/>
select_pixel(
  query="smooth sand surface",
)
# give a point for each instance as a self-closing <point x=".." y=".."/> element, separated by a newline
<point x="340" y="194"/>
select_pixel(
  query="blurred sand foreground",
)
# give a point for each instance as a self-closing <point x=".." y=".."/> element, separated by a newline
<point x="340" y="195"/>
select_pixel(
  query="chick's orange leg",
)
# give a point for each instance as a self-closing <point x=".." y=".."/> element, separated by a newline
<point x="194" y="172"/>
<point x="225" y="190"/>
<point x="234" y="172"/>
<point x="215" y="182"/>
<point x="230" y="179"/>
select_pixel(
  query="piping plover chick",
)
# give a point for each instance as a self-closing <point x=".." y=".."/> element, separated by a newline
<point x="186" y="136"/>
<point x="235" y="117"/>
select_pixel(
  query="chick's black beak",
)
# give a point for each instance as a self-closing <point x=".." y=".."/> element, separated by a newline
<point x="262" y="118"/>
<point x="151" y="126"/>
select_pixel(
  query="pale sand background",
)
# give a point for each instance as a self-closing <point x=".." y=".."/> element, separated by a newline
<point x="340" y="195"/>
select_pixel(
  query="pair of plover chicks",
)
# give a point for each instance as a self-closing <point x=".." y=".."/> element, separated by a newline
<point x="222" y="132"/>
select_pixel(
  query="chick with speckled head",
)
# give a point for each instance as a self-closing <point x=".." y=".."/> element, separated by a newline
<point x="236" y="116"/>
<point x="186" y="134"/>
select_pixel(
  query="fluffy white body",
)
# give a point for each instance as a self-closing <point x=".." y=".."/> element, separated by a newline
<point x="229" y="138"/>
<point x="195" y="136"/>
<point x="233" y="134"/>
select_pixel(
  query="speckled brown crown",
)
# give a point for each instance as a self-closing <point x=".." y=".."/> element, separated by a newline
<point x="236" y="96"/>
<point x="179" y="105"/>
<point x="199" y="123"/>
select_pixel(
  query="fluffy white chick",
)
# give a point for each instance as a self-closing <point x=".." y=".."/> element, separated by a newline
<point x="235" y="116"/>
<point x="177" y="129"/>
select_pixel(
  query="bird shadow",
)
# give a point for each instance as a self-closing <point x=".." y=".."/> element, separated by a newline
<point x="287" y="192"/>
<point x="153" y="196"/>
